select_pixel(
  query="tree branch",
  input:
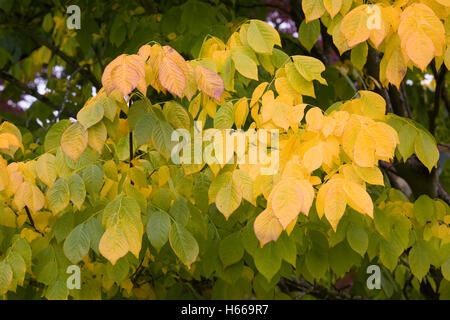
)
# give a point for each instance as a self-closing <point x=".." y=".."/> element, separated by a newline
<point x="31" y="91"/>
<point x="315" y="290"/>
<point x="373" y="69"/>
<point x="433" y="113"/>
<point x="443" y="194"/>
<point x="31" y="221"/>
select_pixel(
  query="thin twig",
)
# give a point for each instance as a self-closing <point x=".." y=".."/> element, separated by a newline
<point x="432" y="114"/>
<point x="31" y="221"/>
<point x="31" y="91"/>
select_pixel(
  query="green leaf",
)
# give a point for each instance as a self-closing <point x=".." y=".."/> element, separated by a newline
<point x="426" y="149"/>
<point x="224" y="117"/>
<point x="57" y="291"/>
<point x="6" y="276"/>
<point x="296" y="80"/>
<point x="58" y="196"/>
<point x="267" y="260"/>
<point x="260" y="37"/>
<point x="407" y="137"/>
<point x="18" y="266"/>
<point x="424" y="209"/>
<point x="143" y="130"/>
<point x="342" y="258"/>
<point x="310" y="68"/>
<point x="180" y="211"/>
<point x="245" y="66"/>
<point x="317" y="256"/>
<point x="287" y="248"/>
<point x="93" y="179"/>
<point x="46" y="168"/>
<point x="136" y="112"/>
<point x="357" y="238"/>
<point x="119" y="271"/>
<point x="77" y="190"/>
<point x="63" y="226"/>
<point x="158" y="228"/>
<point x="231" y="249"/>
<point x="358" y="56"/>
<point x="90" y="114"/>
<point x="176" y="115"/>
<point x="279" y="58"/>
<point x="445" y="268"/>
<point x="53" y="136"/>
<point x="77" y="244"/>
<point x="183" y="244"/>
<point x="161" y="138"/>
<point x="419" y="260"/>
<point x="123" y="208"/>
<point x="309" y="33"/>
<point x="123" y="148"/>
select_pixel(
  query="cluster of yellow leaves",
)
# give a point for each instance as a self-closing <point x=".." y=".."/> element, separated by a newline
<point x="408" y="32"/>
<point x="346" y="144"/>
<point x="163" y="68"/>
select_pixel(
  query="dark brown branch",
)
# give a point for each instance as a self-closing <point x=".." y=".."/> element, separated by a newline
<point x="31" y="221"/>
<point x="373" y="69"/>
<point x="315" y="290"/>
<point x="433" y="113"/>
<point x="31" y="91"/>
<point x="443" y="194"/>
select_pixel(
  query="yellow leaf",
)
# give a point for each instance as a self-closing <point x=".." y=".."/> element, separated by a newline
<point x="334" y="203"/>
<point x="4" y="177"/>
<point x="267" y="227"/>
<point x="393" y="64"/>
<point x="286" y="200"/>
<point x="364" y="149"/>
<point x="332" y="6"/>
<point x="209" y="82"/>
<point x="422" y="34"/>
<point x="314" y="119"/>
<point x="144" y="51"/>
<point x="313" y="158"/>
<point x="7" y="217"/>
<point x="313" y="9"/>
<point x="124" y="73"/>
<point x="354" y="26"/>
<point x="97" y="135"/>
<point x="152" y="67"/>
<point x="419" y="49"/>
<point x="240" y="112"/>
<point x="229" y="195"/>
<point x="74" y="141"/>
<point x="171" y="77"/>
<point x="386" y="140"/>
<point x="358" y="198"/>
<point x="295" y="115"/>
<point x="32" y="197"/>
<point x="370" y="175"/>
<point x="258" y="92"/>
<point x="132" y="235"/>
<point x="280" y="115"/>
<point x="113" y="244"/>
<point x="372" y="105"/>
<point x="46" y="168"/>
